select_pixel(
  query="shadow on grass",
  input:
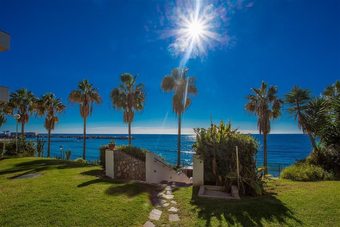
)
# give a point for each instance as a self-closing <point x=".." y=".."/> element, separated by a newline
<point x="120" y="187"/>
<point x="39" y="165"/>
<point x="245" y="212"/>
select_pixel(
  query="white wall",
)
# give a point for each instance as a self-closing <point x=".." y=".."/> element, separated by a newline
<point x="109" y="163"/>
<point x="157" y="171"/>
<point x="198" y="171"/>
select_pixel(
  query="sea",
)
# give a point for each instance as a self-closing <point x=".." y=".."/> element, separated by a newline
<point x="283" y="149"/>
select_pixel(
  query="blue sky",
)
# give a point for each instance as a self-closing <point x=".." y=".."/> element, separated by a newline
<point x="55" y="44"/>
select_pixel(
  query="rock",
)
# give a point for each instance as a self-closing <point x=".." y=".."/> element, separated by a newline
<point x="168" y="197"/>
<point x="173" y="217"/>
<point x="173" y="210"/>
<point x="173" y="202"/>
<point x="155" y="214"/>
<point x="148" y="224"/>
<point x="165" y="204"/>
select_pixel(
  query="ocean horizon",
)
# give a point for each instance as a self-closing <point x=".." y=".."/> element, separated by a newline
<point x="283" y="149"/>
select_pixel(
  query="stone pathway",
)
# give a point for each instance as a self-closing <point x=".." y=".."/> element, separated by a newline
<point x="166" y="203"/>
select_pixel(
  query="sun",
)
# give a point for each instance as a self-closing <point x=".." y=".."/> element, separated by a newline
<point x="195" y="29"/>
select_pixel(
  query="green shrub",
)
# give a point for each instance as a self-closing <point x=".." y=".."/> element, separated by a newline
<point x="80" y="160"/>
<point x="326" y="157"/>
<point x="25" y="148"/>
<point x="306" y="172"/>
<point x="216" y="146"/>
<point x="133" y="151"/>
<point x="68" y="155"/>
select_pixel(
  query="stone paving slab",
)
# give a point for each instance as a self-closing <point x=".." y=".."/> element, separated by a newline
<point x="168" y="197"/>
<point x="173" y="210"/>
<point x="149" y="224"/>
<point x="173" y="217"/>
<point x="155" y="214"/>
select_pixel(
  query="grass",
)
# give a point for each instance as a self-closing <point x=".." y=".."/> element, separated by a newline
<point x="68" y="194"/>
<point x="74" y="194"/>
<point x="286" y="203"/>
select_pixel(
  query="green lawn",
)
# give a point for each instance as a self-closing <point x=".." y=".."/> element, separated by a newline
<point x="68" y="194"/>
<point x="71" y="194"/>
<point x="286" y="203"/>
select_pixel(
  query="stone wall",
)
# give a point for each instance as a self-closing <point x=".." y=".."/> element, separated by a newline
<point x="128" y="167"/>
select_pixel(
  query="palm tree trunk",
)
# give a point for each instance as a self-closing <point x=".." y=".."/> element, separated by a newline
<point x="179" y="141"/>
<point x="312" y="140"/>
<point x="84" y="144"/>
<point x="129" y="133"/>
<point x="22" y="130"/>
<point x="49" y="144"/>
<point x="265" y="162"/>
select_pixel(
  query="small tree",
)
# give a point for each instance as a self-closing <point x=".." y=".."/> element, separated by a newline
<point x="128" y="97"/>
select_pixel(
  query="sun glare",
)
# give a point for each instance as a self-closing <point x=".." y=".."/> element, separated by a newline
<point x="195" y="30"/>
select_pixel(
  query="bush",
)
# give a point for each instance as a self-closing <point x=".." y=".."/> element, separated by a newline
<point x="133" y="151"/>
<point x="326" y="157"/>
<point x="68" y="155"/>
<point x="25" y="148"/>
<point x="306" y="172"/>
<point x="80" y="160"/>
<point x="216" y="146"/>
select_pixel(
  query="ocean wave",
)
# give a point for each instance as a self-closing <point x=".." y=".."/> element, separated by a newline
<point x="188" y="152"/>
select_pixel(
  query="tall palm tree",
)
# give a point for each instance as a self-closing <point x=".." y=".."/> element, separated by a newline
<point x="267" y="106"/>
<point x="333" y="90"/>
<point x="298" y="100"/>
<point x="2" y="113"/>
<point x="182" y="86"/>
<point x="86" y="95"/>
<point x="49" y="106"/>
<point x="128" y="97"/>
<point x="22" y="102"/>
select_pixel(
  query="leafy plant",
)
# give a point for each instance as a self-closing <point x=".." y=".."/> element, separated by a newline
<point x="68" y="155"/>
<point x="216" y="146"/>
<point x="306" y="172"/>
<point x="136" y="152"/>
<point x="40" y="147"/>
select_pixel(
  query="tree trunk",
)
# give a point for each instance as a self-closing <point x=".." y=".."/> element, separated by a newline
<point x="49" y="144"/>
<point x="312" y="140"/>
<point x="84" y="144"/>
<point x="265" y="162"/>
<point x="22" y="130"/>
<point x="129" y="133"/>
<point x="179" y="141"/>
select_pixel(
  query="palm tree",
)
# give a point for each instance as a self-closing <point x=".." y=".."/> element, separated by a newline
<point x="182" y="86"/>
<point x="85" y="95"/>
<point x="267" y="106"/>
<point x="333" y="90"/>
<point x="128" y="97"/>
<point x="2" y="113"/>
<point x="22" y="102"/>
<point x="298" y="99"/>
<point x="49" y="105"/>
